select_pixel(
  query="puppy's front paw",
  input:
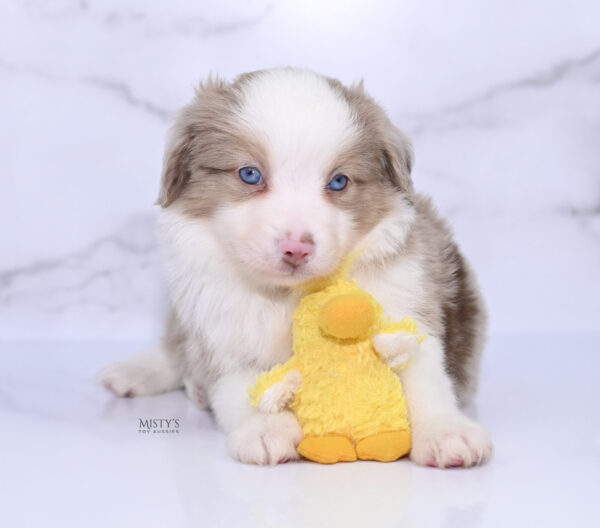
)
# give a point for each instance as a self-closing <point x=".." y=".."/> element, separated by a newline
<point x="450" y="442"/>
<point x="125" y="379"/>
<point x="266" y="439"/>
<point x="147" y="374"/>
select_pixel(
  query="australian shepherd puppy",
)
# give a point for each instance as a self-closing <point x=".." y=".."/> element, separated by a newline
<point x="270" y="181"/>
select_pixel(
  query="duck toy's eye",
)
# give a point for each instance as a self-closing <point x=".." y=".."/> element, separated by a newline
<point x="338" y="183"/>
<point x="250" y="175"/>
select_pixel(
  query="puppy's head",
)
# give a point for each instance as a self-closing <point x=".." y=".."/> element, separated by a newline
<point x="290" y="170"/>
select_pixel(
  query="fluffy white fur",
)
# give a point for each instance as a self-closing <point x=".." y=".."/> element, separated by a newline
<point x="232" y="298"/>
<point x="301" y="137"/>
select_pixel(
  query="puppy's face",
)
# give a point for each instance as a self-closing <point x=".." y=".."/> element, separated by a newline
<point x="289" y="169"/>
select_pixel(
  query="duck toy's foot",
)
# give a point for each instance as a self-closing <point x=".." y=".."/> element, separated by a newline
<point x="327" y="449"/>
<point x="384" y="447"/>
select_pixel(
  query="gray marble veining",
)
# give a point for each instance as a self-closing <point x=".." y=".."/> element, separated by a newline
<point x="507" y="144"/>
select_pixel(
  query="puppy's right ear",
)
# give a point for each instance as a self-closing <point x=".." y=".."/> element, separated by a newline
<point x="398" y="157"/>
<point x="214" y="98"/>
<point x="176" y="166"/>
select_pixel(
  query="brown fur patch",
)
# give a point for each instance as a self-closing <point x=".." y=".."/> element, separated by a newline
<point x="210" y="147"/>
<point x="392" y="148"/>
<point x="463" y="317"/>
<point x="451" y="303"/>
<point x="369" y="195"/>
<point x="378" y="164"/>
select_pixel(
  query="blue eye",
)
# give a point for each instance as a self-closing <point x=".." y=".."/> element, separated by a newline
<point x="251" y="175"/>
<point x="338" y="182"/>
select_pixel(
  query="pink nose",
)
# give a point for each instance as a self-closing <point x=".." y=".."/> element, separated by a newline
<point x="296" y="252"/>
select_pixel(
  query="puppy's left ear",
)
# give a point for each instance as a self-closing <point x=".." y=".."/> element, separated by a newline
<point x="398" y="158"/>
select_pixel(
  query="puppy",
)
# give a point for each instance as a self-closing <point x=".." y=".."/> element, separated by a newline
<point x="270" y="181"/>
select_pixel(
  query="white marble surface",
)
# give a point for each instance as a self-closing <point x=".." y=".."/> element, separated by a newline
<point x="502" y="101"/>
<point x="71" y="454"/>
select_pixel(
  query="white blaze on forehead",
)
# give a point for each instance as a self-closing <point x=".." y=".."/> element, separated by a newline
<point x="299" y="117"/>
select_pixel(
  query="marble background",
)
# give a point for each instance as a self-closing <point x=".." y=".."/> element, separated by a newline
<point x="501" y="98"/>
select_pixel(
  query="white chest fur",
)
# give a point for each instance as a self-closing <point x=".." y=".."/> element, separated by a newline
<point x="238" y="324"/>
<point x="398" y="287"/>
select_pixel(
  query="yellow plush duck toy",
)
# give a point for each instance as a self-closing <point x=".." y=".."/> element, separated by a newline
<point x="340" y="382"/>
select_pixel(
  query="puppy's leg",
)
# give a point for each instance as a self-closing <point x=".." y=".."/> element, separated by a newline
<point x="253" y="437"/>
<point x="442" y="435"/>
<point x="152" y="372"/>
<point x="196" y="392"/>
